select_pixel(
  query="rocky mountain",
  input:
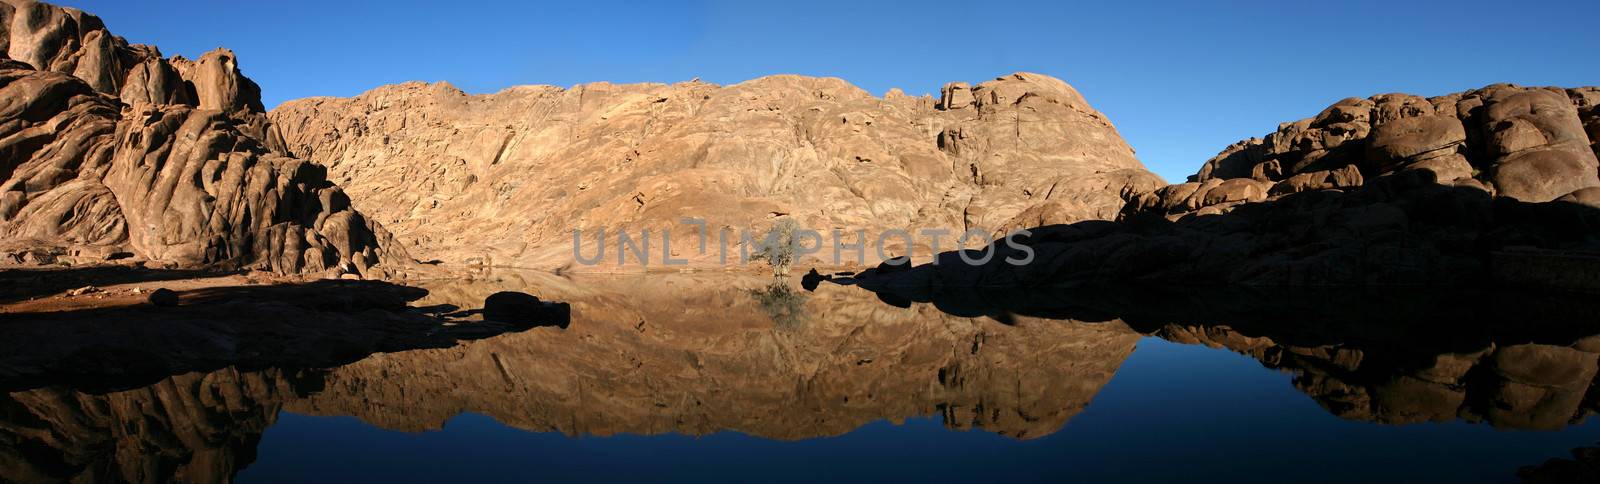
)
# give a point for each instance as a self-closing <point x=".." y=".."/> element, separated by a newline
<point x="109" y="150"/>
<point x="505" y="178"/>
<point x="1499" y="183"/>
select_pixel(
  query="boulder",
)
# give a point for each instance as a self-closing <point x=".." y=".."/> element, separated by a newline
<point x="1347" y="177"/>
<point x="1236" y="190"/>
<point x="1543" y="175"/>
<point x="1589" y="197"/>
<point x="525" y="309"/>
<point x="1413" y="138"/>
<point x="1445" y="168"/>
<point x="162" y="298"/>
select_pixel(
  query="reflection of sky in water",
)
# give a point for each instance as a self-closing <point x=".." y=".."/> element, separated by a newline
<point x="1172" y="412"/>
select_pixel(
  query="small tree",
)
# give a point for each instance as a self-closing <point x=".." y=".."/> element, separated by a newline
<point x="778" y="247"/>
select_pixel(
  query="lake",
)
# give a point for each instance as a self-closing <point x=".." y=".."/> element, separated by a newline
<point x="691" y="377"/>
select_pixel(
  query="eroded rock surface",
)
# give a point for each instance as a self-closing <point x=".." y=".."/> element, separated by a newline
<point x="504" y="178"/>
<point x="1393" y="189"/>
<point x="110" y="148"/>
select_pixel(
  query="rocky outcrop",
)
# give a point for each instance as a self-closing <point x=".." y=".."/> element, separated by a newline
<point x="1528" y="144"/>
<point x="110" y="148"/>
<point x="505" y="178"/>
<point x="1393" y="189"/>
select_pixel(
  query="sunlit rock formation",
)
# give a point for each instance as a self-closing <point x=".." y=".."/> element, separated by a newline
<point x="505" y="178"/>
<point x="111" y="150"/>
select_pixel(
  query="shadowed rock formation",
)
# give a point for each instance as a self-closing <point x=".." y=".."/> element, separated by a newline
<point x="114" y="338"/>
<point x="1497" y="184"/>
<point x="504" y="178"/>
<point x="109" y="148"/>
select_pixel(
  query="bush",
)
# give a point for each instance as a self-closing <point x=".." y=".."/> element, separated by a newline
<point x="779" y="246"/>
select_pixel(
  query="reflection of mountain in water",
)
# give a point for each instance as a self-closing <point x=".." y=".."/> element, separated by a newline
<point x="1525" y="386"/>
<point x="187" y="428"/>
<point x="643" y="355"/>
<point x="1511" y="360"/>
<point x="693" y="354"/>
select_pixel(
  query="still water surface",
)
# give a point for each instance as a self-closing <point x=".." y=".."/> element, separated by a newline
<point x="677" y="378"/>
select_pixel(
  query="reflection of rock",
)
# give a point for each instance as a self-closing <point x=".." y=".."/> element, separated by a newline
<point x="120" y="338"/>
<point x="628" y="364"/>
<point x="1584" y="466"/>
<point x="712" y="360"/>
<point x="1509" y="359"/>
<point x="188" y="428"/>
<point x="1519" y="386"/>
<point x="526" y="309"/>
<point x="715" y="361"/>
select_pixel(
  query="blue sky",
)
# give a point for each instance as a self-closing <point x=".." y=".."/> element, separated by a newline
<point x="1180" y="80"/>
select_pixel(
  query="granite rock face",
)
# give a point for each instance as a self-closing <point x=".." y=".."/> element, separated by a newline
<point x="505" y="178"/>
<point x="1392" y="189"/>
<point x="110" y="148"/>
<point x="1530" y="144"/>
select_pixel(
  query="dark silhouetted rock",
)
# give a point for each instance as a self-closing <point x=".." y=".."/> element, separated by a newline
<point x="812" y="279"/>
<point x="1584" y="466"/>
<point x="163" y="297"/>
<point x="522" y="308"/>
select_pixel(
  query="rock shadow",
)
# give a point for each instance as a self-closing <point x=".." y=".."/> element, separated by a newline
<point x="1402" y="229"/>
<point x="314" y="324"/>
<point x="19" y="284"/>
